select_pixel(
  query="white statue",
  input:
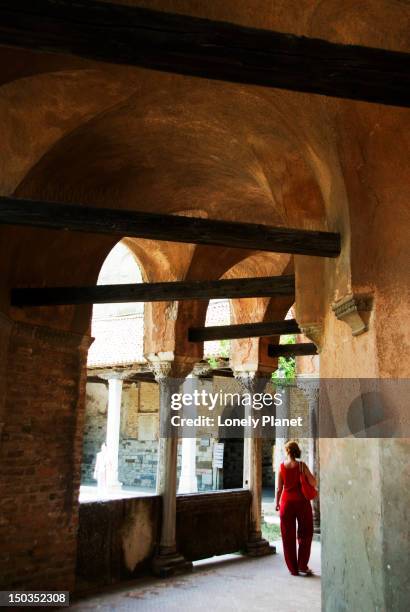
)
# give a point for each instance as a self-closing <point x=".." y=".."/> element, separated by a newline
<point x="100" y="470"/>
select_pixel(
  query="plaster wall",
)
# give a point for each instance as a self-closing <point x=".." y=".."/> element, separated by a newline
<point x="364" y="497"/>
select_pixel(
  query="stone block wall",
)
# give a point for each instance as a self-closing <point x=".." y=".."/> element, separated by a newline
<point x="138" y="434"/>
<point x="268" y="476"/>
<point x="137" y="465"/>
<point x="40" y="456"/>
<point x="137" y="459"/>
<point x="204" y="454"/>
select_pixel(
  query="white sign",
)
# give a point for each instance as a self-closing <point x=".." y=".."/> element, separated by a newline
<point x="218" y="458"/>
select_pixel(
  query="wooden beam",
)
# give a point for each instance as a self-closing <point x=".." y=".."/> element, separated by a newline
<point x="155" y="292"/>
<point x="221" y="372"/>
<point x="97" y="380"/>
<point x="245" y="330"/>
<point x="292" y="350"/>
<point x="128" y="223"/>
<point x="210" y="49"/>
<point x="147" y="377"/>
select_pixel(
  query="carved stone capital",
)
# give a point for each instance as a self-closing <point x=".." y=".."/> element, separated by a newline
<point x="352" y="310"/>
<point x="161" y="370"/>
<point x="202" y="368"/>
<point x="310" y="388"/>
<point x="313" y="331"/>
<point x="247" y="379"/>
<point x="113" y="373"/>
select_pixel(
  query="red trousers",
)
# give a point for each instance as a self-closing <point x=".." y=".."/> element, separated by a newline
<point x="300" y="510"/>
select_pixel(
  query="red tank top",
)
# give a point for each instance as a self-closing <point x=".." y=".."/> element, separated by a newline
<point x="291" y="483"/>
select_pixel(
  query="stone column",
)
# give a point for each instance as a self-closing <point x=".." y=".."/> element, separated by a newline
<point x="310" y="388"/>
<point x="113" y="430"/>
<point x="282" y="432"/>
<point x="187" y="480"/>
<point x="167" y="561"/>
<point x="252" y="471"/>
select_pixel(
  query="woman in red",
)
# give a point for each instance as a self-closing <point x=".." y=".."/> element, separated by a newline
<point x="293" y="507"/>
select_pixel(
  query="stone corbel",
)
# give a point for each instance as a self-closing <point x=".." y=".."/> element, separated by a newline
<point x="354" y="310"/>
<point x="313" y="331"/>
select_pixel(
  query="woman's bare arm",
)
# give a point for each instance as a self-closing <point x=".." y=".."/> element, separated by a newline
<point x="279" y="491"/>
<point x="310" y="478"/>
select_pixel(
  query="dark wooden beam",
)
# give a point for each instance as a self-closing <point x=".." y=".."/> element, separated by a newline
<point x="245" y="330"/>
<point x="97" y="380"/>
<point x="155" y="292"/>
<point x="292" y="350"/>
<point x="147" y="377"/>
<point x="221" y="372"/>
<point x="210" y="49"/>
<point x="128" y="223"/>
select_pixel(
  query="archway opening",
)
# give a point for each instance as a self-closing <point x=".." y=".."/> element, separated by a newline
<point x="218" y="313"/>
<point x="121" y="422"/>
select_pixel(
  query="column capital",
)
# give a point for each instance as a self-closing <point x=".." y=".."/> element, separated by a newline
<point x="246" y="378"/>
<point x="310" y="387"/>
<point x="251" y="381"/>
<point x="161" y="370"/>
<point x="201" y="368"/>
<point x="113" y="375"/>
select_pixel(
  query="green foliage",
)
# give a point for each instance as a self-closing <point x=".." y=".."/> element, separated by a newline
<point x="271" y="531"/>
<point x="286" y="371"/>
<point x="223" y="351"/>
<point x="225" y="348"/>
<point x="213" y="362"/>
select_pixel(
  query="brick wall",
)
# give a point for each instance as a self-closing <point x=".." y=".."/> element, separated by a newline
<point x="40" y="455"/>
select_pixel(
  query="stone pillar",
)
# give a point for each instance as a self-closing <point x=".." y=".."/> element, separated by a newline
<point x="311" y="390"/>
<point x="252" y="473"/>
<point x="281" y="433"/>
<point x="187" y="480"/>
<point x="167" y="561"/>
<point x="113" y="430"/>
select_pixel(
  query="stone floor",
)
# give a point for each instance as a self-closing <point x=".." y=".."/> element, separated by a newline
<point x="220" y="584"/>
